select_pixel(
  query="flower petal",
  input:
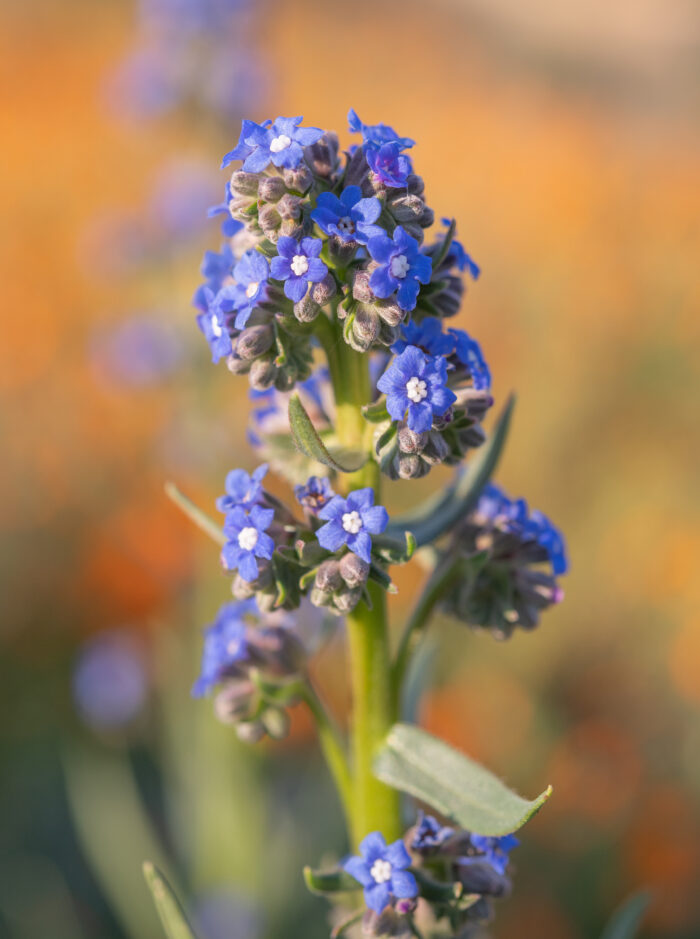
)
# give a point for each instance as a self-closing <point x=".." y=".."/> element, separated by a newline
<point x="332" y="535"/>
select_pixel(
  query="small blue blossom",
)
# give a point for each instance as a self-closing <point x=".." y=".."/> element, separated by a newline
<point x="217" y="266"/>
<point x="391" y="167"/>
<point x="247" y="540"/>
<point x="468" y="352"/>
<point x="110" y="681"/>
<point x="429" y="833"/>
<point x="225" y="644"/>
<point x="416" y="384"/>
<point x="375" y="135"/>
<point x="351" y="522"/>
<point x="314" y="494"/>
<point x="494" y="850"/>
<point x="298" y="264"/>
<point x="229" y="226"/>
<point x="549" y="536"/>
<point x="213" y="324"/>
<point x="402" y="267"/>
<point x="250" y="276"/>
<point x="242" y="489"/>
<point x="383" y="871"/>
<point x="427" y="335"/>
<point x="459" y="257"/>
<point x="280" y="142"/>
<point x="350" y="217"/>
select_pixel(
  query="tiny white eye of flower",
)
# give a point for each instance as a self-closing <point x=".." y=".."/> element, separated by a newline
<point x="252" y="289"/>
<point x="381" y="871"/>
<point x="352" y="522"/>
<point x="416" y="389"/>
<point x="248" y="538"/>
<point x="234" y="647"/>
<point x="400" y="265"/>
<point x="216" y="326"/>
<point x="280" y="143"/>
<point x="346" y="225"/>
<point x="300" y="264"/>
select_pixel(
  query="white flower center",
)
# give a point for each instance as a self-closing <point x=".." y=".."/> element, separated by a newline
<point x="346" y="225"/>
<point x="416" y="389"/>
<point x="216" y="325"/>
<point x="280" y="143"/>
<point x="381" y="871"/>
<point x="248" y="538"/>
<point x="252" y="289"/>
<point x="352" y="522"/>
<point x="300" y="264"/>
<point x="234" y="647"/>
<point x="400" y="265"/>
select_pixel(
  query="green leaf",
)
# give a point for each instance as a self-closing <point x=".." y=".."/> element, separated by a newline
<point x="626" y="921"/>
<point x="395" y="550"/>
<point x="415" y="762"/>
<point x="376" y="413"/>
<point x="445" y="246"/>
<point x="336" y="881"/>
<point x="307" y="439"/>
<point x="439" y="513"/>
<point x="195" y="514"/>
<point x="169" y="910"/>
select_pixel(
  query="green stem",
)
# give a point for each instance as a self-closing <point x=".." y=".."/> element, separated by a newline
<point x="446" y="573"/>
<point x="332" y="747"/>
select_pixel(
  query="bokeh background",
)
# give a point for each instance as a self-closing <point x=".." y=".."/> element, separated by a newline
<point x="564" y="139"/>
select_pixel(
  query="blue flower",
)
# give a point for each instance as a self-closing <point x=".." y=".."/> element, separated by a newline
<point x="216" y="266"/>
<point x="242" y="489"/>
<point x="402" y="267"/>
<point x="416" y="383"/>
<point x="225" y="644"/>
<point x="250" y="275"/>
<point x="468" y="352"/>
<point x="375" y="135"/>
<point x="229" y="226"/>
<point x="213" y="324"/>
<point x="280" y="142"/>
<point x="391" y="167"/>
<point x="314" y="494"/>
<point x="351" y="522"/>
<point x="298" y="264"/>
<point x="382" y="871"/>
<point x="110" y="682"/>
<point x="350" y="217"/>
<point x="247" y="540"/>
<point x="427" y="335"/>
<point x="429" y="833"/>
<point x="551" y="539"/>
<point x="494" y="850"/>
<point x="459" y="257"/>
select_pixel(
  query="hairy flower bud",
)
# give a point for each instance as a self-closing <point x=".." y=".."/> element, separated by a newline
<point x="271" y="189"/>
<point x="347" y="600"/>
<point x="410" y="441"/>
<point x="276" y="722"/>
<point x="254" y="341"/>
<point x="270" y="221"/>
<point x="306" y="310"/>
<point x="262" y="374"/>
<point x="361" y="289"/>
<point x="289" y="206"/>
<point x="299" y="179"/>
<point x="353" y="570"/>
<point x="244" y="184"/>
<point x="237" y="366"/>
<point x="322" y="156"/>
<point x="328" y="576"/>
<point x="324" y="290"/>
<point x="406" y="208"/>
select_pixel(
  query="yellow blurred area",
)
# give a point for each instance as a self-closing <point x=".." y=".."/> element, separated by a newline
<point x="574" y="180"/>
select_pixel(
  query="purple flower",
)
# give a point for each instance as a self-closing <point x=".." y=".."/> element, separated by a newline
<point x="427" y="335"/>
<point x="247" y="540"/>
<point x="298" y="264"/>
<point x="429" y="833"/>
<point x="110" y="681"/>
<point x="242" y="489"/>
<point x="494" y="850"/>
<point x="391" y="167"/>
<point x="213" y="324"/>
<point x="225" y="644"/>
<point x="416" y="383"/>
<point x="402" y="267"/>
<point x="351" y="522"/>
<point x="350" y="217"/>
<point x="468" y="352"/>
<point x="382" y="871"/>
<point x="375" y="135"/>
<point x="280" y="142"/>
<point x="229" y="226"/>
<point x="250" y="275"/>
<point x="459" y="257"/>
<point x="314" y="494"/>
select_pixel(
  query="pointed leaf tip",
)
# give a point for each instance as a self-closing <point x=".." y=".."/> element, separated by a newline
<point x="306" y="439"/>
<point x="170" y="912"/>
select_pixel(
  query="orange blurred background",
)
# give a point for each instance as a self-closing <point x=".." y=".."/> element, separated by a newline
<point x="563" y="141"/>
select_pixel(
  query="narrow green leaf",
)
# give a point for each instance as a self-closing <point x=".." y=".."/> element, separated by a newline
<point x="169" y="910"/>
<point x="195" y="514"/>
<point x="445" y="246"/>
<point x="415" y="762"/>
<point x="628" y="918"/>
<point x="307" y="439"/>
<point x="377" y="412"/>
<point x="438" y="514"/>
<point x="336" y="881"/>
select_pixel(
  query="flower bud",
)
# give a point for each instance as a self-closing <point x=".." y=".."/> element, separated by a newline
<point x="289" y="206"/>
<point x="410" y="441"/>
<point x="449" y="300"/>
<point x="239" y="207"/>
<point x="244" y="184"/>
<point x="254" y="341"/>
<point x="276" y="722"/>
<point x="271" y="189"/>
<point x="262" y="374"/>
<point x="361" y="289"/>
<point x="319" y="597"/>
<point x="411" y="466"/>
<point x="353" y="570"/>
<point x="365" y="327"/>
<point x="427" y="217"/>
<point x="356" y="170"/>
<point x="437" y="449"/>
<point x="250" y="731"/>
<point x="328" y="577"/>
<point x="324" y="290"/>
<point x="299" y="179"/>
<point x="391" y="313"/>
<point x="406" y="208"/>
<point x="347" y="600"/>
<point x="415" y="185"/>
<point x="415" y="230"/>
<point x="306" y="310"/>
<point x="236" y="365"/>
<point x="322" y="156"/>
<point x="236" y="701"/>
<point x="269" y="220"/>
